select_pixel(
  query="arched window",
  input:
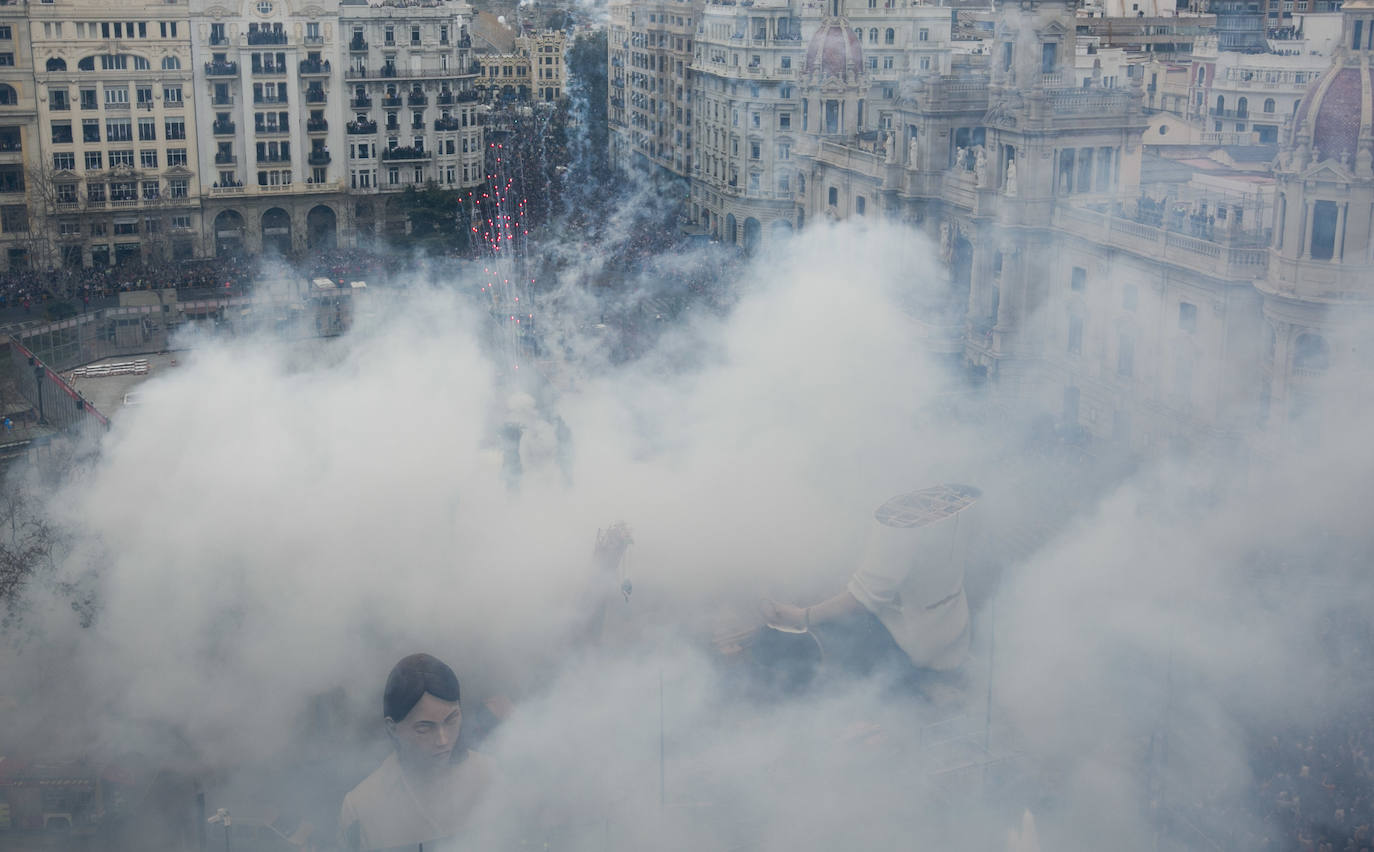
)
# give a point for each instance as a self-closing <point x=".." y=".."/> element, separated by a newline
<point x="1201" y="75"/>
<point x="8" y="96"/>
<point x="1310" y="352"/>
<point x="1268" y="104"/>
<point x="56" y="64"/>
<point x="873" y="36"/>
<point x="171" y="63"/>
<point x="1242" y="107"/>
<point x="1221" y="104"/>
<point x="890" y="37"/>
<point x="87" y="63"/>
<point x="141" y="64"/>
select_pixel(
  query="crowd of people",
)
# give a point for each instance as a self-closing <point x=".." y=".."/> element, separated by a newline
<point x="1315" y="788"/>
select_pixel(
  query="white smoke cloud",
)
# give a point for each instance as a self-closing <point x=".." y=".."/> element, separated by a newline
<point x="275" y="523"/>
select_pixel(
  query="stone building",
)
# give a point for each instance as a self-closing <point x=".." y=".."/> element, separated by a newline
<point x="268" y="82"/>
<point x="747" y="119"/>
<point x="651" y="47"/>
<point x="1317" y="292"/>
<point x="27" y="233"/>
<point x="118" y="177"/>
<point x="413" y="109"/>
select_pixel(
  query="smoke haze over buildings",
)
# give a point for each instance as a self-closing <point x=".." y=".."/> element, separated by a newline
<point x="272" y="525"/>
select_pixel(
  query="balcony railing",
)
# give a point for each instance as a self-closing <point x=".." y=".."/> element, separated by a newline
<point x="225" y="159"/>
<point x="319" y="158"/>
<point x="362" y="127"/>
<point x="222" y="100"/>
<point x="467" y="97"/>
<point x="224" y="128"/>
<point x="219" y="41"/>
<point x="314" y="96"/>
<point x="405" y="153"/>
<point x="256" y="37"/>
<point x="444" y="100"/>
<point x="270" y="129"/>
<point x="275" y="158"/>
<point x="417" y="99"/>
<point x="314" y="39"/>
<point x="268" y="70"/>
<point x="309" y="68"/>
<point x="316" y="125"/>
<point x="361" y="103"/>
<point x="391" y="102"/>
<point x="447" y="124"/>
<point x="358" y="44"/>
<point x="221" y="69"/>
<point x="263" y="100"/>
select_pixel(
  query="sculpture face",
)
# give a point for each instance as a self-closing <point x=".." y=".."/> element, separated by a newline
<point x="426" y="736"/>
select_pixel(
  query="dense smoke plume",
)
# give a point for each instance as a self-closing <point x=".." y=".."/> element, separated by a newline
<point x="275" y="525"/>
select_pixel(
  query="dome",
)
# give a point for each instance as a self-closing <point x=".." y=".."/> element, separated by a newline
<point x="835" y="52"/>
<point x="1335" y="112"/>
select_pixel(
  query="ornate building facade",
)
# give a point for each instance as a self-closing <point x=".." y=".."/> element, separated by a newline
<point x="267" y="82"/>
<point x="117" y="179"/>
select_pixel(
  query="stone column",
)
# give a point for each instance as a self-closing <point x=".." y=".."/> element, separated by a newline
<point x="1304" y="233"/>
<point x="1338" y="251"/>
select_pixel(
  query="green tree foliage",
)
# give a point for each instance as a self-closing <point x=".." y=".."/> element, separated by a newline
<point x="436" y="220"/>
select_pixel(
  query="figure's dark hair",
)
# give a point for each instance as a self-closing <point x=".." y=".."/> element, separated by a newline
<point x="411" y="678"/>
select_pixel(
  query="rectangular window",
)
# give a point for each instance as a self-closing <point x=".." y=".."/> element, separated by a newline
<point x="147" y="159"/>
<point x="181" y="222"/>
<point x="57" y="99"/>
<point x="178" y="187"/>
<point x="151" y="190"/>
<point x="6" y="59"/>
<point x="121" y="158"/>
<point x="64" y="162"/>
<point x="171" y="95"/>
<point x="147" y="129"/>
<point x="176" y="156"/>
<point x="94" y="161"/>
<point x="1187" y="317"/>
<point x="61" y="132"/>
<point x="1125" y="356"/>
<point x="1078" y="281"/>
<point x="176" y="128"/>
<point x="95" y="192"/>
<point x="119" y="130"/>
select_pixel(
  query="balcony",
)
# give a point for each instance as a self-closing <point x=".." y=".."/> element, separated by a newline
<point x="314" y="39"/>
<point x="269" y="70"/>
<point x="222" y="100"/>
<point x="388" y="71"/>
<point x="219" y="41"/>
<point x="314" y="68"/>
<point x="358" y="44"/>
<point x="224" y="128"/>
<point x="447" y="124"/>
<point x="405" y="152"/>
<point x="444" y="99"/>
<point x="237" y="189"/>
<point x="258" y="37"/>
<point x="417" y="99"/>
<point x="226" y="160"/>
<point x="314" y="96"/>
<point x="360" y="103"/>
<point x="391" y="102"/>
<point x="271" y="129"/>
<point x="263" y="100"/>
<point x="316" y="125"/>
<point x="362" y="127"/>
<point x="468" y="97"/>
<point x="221" y="69"/>
<point x="275" y="158"/>
<point x="319" y="158"/>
